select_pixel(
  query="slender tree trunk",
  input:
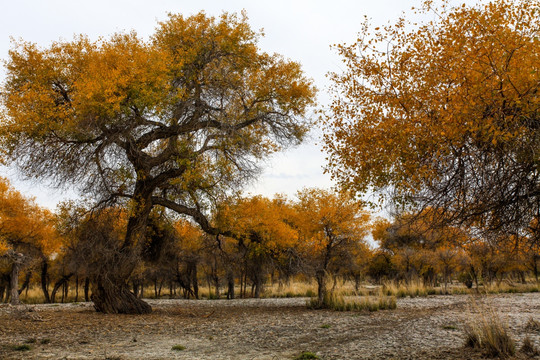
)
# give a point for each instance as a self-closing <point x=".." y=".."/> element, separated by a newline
<point x="230" y="285"/>
<point x="44" y="280"/>
<point x="194" y="280"/>
<point x="321" y="286"/>
<point x="25" y="283"/>
<point x="87" y="289"/>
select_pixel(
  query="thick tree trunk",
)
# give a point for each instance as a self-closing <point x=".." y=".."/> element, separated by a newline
<point x="110" y="289"/>
<point x="44" y="280"/>
<point x="111" y="298"/>
<point x="14" y="282"/>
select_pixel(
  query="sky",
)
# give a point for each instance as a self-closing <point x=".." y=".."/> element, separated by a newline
<point x="302" y="31"/>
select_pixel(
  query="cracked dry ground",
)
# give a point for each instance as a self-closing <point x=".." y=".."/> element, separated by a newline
<point x="421" y="328"/>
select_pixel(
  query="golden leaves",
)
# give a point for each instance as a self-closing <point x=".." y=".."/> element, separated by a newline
<point x="408" y="97"/>
<point x="24" y="222"/>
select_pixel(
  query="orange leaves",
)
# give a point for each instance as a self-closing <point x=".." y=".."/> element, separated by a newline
<point x="24" y="224"/>
<point x="407" y="99"/>
<point x="270" y="219"/>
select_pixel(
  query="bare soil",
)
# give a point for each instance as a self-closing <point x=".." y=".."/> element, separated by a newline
<point x="420" y="328"/>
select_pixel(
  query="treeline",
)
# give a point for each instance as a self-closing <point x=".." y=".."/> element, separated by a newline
<point x="319" y="236"/>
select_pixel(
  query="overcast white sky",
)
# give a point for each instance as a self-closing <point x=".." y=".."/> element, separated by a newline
<point x="300" y="30"/>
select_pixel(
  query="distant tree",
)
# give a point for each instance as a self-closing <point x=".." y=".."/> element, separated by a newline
<point x="175" y="122"/>
<point x="445" y="115"/>
<point x="330" y="224"/>
<point x="27" y="232"/>
<point x="264" y="230"/>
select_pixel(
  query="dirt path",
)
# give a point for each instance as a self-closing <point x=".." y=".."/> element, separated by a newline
<point x="421" y="328"/>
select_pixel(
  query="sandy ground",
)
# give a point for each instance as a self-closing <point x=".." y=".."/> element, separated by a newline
<point x="420" y="328"/>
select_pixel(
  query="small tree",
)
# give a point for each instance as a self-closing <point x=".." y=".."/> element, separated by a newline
<point x="329" y="224"/>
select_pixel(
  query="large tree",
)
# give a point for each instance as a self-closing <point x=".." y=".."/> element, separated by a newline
<point x="174" y="121"/>
<point x="445" y="114"/>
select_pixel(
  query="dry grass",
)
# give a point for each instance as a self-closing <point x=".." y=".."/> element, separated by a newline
<point x="341" y="303"/>
<point x="302" y="288"/>
<point x="488" y="333"/>
<point x="528" y="348"/>
<point x="533" y="325"/>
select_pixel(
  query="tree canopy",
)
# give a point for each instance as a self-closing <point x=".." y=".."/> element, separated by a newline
<point x="445" y="115"/>
<point x="175" y="121"/>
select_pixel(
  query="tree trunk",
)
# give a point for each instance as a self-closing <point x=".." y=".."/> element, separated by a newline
<point x="60" y="284"/>
<point x="86" y="289"/>
<point x="230" y="285"/>
<point x="77" y="288"/>
<point x="44" y="280"/>
<point x="110" y="289"/>
<point x="26" y="282"/>
<point x="321" y="286"/>
<point x="115" y="298"/>
<point x="14" y="281"/>
<point x="194" y="281"/>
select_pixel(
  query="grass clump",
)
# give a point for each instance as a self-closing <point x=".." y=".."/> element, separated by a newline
<point x="449" y="327"/>
<point x="306" y="355"/>
<point x="325" y="326"/>
<point x="340" y="303"/>
<point x="44" y="341"/>
<point x="23" y="347"/>
<point x="533" y="325"/>
<point x="528" y="347"/>
<point x="489" y="334"/>
<point x="178" y="348"/>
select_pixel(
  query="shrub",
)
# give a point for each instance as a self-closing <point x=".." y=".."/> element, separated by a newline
<point x="489" y="334"/>
<point x="533" y="325"/>
<point x="306" y="355"/>
<point x="528" y="347"/>
<point x="23" y="347"/>
<point x="339" y="303"/>
<point x="178" y="347"/>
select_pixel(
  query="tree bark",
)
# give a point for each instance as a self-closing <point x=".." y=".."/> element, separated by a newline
<point x="115" y="298"/>
<point x="14" y="281"/>
<point x="230" y="285"/>
<point x="44" y="280"/>
<point x="321" y="286"/>
<point x="60" y="284"/>
<point x="26" y="282"/>
<point x="86" y="289"/>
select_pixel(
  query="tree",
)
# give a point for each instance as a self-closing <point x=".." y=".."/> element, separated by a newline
<point x="265" y="232"/>
<point x="330" y="224"/>
<point x="26" y="231"/>
<point x="445" y="115"/>
<point x="175" y="121"/>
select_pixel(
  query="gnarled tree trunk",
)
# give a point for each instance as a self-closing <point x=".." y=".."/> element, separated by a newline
<point x="115" y="298"/>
